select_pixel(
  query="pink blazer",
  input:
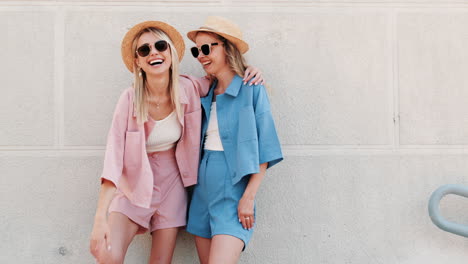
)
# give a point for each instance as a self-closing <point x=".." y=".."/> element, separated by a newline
<point x="126" y="163"/>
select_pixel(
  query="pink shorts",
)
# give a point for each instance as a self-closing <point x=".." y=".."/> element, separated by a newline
<point x="169" y="203"/>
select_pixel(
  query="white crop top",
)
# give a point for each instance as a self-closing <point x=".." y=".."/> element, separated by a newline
<point x="212" y="139"/>
<point x="165" y="134"/>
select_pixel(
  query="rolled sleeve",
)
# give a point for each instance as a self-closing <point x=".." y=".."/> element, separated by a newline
<point x="113" y="158"/>
<point x="268" y="142"/>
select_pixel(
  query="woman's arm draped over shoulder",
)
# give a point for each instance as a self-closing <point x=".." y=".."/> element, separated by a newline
<point x="201" y="84"/>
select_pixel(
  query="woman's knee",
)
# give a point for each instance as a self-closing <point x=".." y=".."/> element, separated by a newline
<point x="112" y="257"/>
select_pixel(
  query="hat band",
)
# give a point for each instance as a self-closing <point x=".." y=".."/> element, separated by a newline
<point x="209" y="28"/>
<point x="217" y="31"/>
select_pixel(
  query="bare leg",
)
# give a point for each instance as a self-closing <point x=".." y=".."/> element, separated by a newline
<point x="225" y="249"/>
<point x="122" y="231"/>
<point x="163" y="245"/>
<point x="203" y="248"/>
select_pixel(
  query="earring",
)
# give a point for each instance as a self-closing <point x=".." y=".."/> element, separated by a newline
<point x="139" y="72"/>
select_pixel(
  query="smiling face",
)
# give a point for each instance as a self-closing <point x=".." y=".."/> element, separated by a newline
<point x="156" y="62"/>
<point x="215" y="62"/>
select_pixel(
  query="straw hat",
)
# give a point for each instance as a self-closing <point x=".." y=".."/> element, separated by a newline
<point x="176" y="38"/>
<point x="224" y="28"/>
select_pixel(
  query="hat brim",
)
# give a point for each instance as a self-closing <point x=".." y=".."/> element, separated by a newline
<point x="241" y="45"/>
<point x="128" y="57"/>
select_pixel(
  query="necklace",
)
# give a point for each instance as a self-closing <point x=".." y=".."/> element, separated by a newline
<point x="156" y="101"/>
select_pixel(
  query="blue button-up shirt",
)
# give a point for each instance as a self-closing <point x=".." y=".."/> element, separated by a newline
<point x="246" y="127"/>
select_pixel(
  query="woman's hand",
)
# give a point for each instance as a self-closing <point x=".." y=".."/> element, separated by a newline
<point x="253" y="76"/>
<point x="100" y="238"/>
<point x="245" y="212"/>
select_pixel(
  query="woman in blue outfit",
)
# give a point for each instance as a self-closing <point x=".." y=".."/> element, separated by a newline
<point x="239" y="142"/>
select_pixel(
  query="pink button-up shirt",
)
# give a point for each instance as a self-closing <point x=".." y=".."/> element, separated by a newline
<point x="126" y="163"/>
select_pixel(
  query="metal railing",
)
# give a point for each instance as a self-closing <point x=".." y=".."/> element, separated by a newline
<point x="434" y="211"/>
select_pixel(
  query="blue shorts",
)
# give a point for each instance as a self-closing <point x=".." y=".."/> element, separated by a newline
<point x="213" y="210"/>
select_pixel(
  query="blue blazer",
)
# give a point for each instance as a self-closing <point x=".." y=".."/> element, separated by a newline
<point x="246" y="127"/>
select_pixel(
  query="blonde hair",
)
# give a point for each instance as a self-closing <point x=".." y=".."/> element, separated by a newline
<point x="235" y="59"/>
<point x="141" y="98"/>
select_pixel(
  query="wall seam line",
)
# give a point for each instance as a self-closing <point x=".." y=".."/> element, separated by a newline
<point x="59" y="77"/>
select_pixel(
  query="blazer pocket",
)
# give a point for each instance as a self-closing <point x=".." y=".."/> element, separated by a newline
<point x="132" y="153"/>
<point x="247" y="125"/>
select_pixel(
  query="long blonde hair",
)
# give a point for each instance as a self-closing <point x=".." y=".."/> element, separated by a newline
<point x="235" y="59"/>
<point x="141" y="98"/>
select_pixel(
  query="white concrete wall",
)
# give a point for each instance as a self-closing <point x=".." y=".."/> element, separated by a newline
<point x="370" y="98"/>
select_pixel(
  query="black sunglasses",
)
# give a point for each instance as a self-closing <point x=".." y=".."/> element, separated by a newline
<point x="205" y="48"/>
<point x="145" y="49"/>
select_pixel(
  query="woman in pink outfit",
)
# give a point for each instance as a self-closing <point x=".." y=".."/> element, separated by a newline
<point x="152" y="150"/>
